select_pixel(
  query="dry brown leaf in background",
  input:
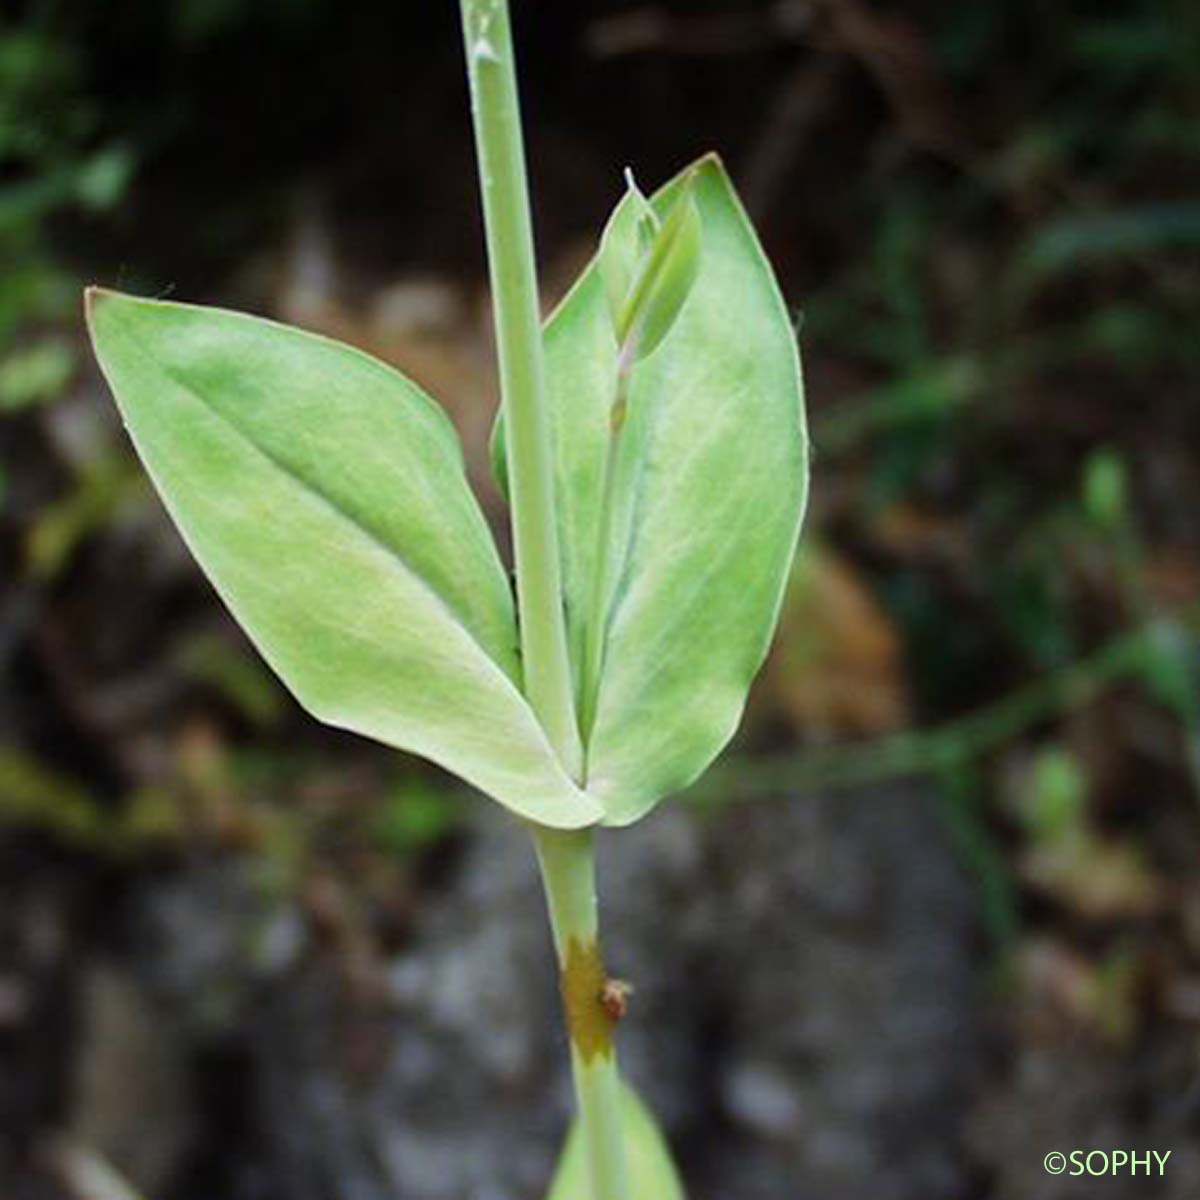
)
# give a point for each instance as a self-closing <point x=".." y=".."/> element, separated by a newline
<point x="1057" y="985"/>
<point x="1172" y="579"/>
<point x="914" y="534"/>
<point x="1097" y="877"/>
<point x="837" y="665"/>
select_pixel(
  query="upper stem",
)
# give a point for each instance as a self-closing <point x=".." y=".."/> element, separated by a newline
<point x="502" y="175"/>
<point x="567" y="858"/>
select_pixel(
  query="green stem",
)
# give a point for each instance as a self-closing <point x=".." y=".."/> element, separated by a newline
<point x="488" y="39"/>
<point x="566" y="858"/>
<point x="567" y="861"/>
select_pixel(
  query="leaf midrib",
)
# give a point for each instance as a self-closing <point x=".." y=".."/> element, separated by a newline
<point x="312" y="489"/>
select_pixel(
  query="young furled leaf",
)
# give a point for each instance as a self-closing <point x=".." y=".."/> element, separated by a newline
<point x="621" y="251"/>
<point x="652" y="1173"/>
<point x="667" y="264"/>
<point x="708" y="490"/>
<point x="324" y="495"/>
<point x="648" y="268"/>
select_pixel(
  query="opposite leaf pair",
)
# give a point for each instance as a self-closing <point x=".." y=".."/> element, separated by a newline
<point x="325" y="497"/>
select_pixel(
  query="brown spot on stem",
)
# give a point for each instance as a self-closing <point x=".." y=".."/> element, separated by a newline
<point x="582" y="981"/>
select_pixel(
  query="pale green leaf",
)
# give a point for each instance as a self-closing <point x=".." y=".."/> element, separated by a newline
<point x="711" y="487"/>
<point x="324" y="496"/>
<point x="652" y="1172"/>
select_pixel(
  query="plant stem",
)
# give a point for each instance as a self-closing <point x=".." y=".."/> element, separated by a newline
<point x="568" y="864"/>
<point x="567" y="859"/>
<point x="490" y="65"/>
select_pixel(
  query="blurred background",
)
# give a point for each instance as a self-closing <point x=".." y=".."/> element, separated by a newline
<point x="938" y="912"/>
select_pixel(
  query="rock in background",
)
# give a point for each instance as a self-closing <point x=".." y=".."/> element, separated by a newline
<point x="804" y="1021"/>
